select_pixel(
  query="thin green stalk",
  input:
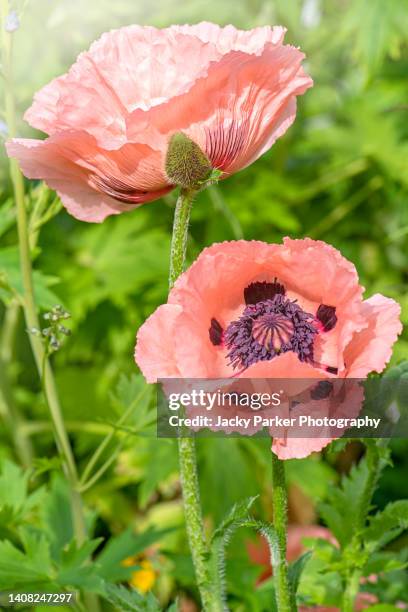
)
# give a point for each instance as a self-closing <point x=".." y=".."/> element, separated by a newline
<point x="8" y="409"/>
<point x="187" y="452"/>
<point x="101" y="471"/>
<point x="105" y="442"/>
<point x="351" y="591"/>
<point x="280" y="522"/>
<point x="29" y="306"/>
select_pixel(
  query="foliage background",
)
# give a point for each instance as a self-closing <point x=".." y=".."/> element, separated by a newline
<point x="339" y="174"/>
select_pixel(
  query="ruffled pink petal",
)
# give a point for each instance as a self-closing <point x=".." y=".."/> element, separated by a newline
<point x="371" y="349"/>
<point x="298" y="448"/>
<point x="91" y="182"/>
<point x="229" y="38"/>
<point x="133" y="67"/>
<point x="236" y="111"/>
<point x="156" y="340"/>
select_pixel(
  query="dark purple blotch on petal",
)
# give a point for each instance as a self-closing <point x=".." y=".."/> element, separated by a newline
<point x="215" y="332"/>
<point x="327" y="316"/>
<point x="332" y="370"/>
<point x="322" y="390"/>
<point x="261" y="291"/>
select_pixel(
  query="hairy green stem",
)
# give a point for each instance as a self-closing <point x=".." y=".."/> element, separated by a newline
<point x="180" y="234"/>
<point x="280" y="522"/>
<point x="29" y="306"/>
<point x="186" y="446"/>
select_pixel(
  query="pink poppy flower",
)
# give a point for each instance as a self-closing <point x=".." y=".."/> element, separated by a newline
<point x="258" y="310"/>
<point x="109" y="120"/>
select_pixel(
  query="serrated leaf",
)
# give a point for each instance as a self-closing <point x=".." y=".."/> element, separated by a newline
<point x="130" y="600"/>
<point x="383" y="562"/>
<point x="76" y="569"/>
<point x="354" y="493"/>
<point x="22" y="567"/>
<point x="385" y="526"/>
<point x="238" y="513"/>
<point x="15" y="500"/>
<point x="133" y="396"/>
<point x="75" y="556"/>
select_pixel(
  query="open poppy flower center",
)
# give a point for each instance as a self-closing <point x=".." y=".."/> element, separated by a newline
<point x="268" y="328"/>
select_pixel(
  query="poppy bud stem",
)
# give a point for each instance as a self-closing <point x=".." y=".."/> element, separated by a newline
<point x="284" y="597"/>
<point x="187" y="451"/>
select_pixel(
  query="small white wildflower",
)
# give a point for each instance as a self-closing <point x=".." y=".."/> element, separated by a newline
<point x="12" y="22"/>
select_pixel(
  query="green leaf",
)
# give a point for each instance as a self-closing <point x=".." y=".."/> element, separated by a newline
<point x="57" y="517"/>
<point x="133" y="396"/>
<point x="314" y="477"/>
<point x="42" y="465"/>
<point x="237" y="517"/>
<point x="15" y="501"/>
<point x="219" y="490"/>
<point x="10" y="268"/>
<point x="238" y="514"/>
<point x="165" y="464"/>
<point x="75" y="568"/>
<point x="382" y="562"/>
<point x="380" y="27"/>
<point x="385" y="526"/>
<point x="130" y="600"/>
<point x="354" y="493"/>
<point x="7" y="216"/>
<point x="25" y="567"/>
<point x="296" y="569"/>
<point x="119" y="548"/>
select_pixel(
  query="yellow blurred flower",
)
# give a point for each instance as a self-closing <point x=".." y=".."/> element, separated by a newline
<point x="144" y="578"/>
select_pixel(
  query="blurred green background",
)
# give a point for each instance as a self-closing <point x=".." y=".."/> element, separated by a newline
<point x="339" y="174"/>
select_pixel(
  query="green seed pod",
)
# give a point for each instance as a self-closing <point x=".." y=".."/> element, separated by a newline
<point x="186" y="164"/>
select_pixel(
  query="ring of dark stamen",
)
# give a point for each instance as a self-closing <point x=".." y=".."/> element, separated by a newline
<point x="245" y="349"/>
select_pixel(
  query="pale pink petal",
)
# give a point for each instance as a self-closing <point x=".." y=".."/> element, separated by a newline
<point x="156" y="340"/>
<point x="232" y="92"/>
<point x="92" y="183"/>
<point x="133" y="67"/>
<point x="229" y="38"/>
<point x="236" y="111"/>
<point x="370" y="349"/>
<point x="298" y="448"/>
